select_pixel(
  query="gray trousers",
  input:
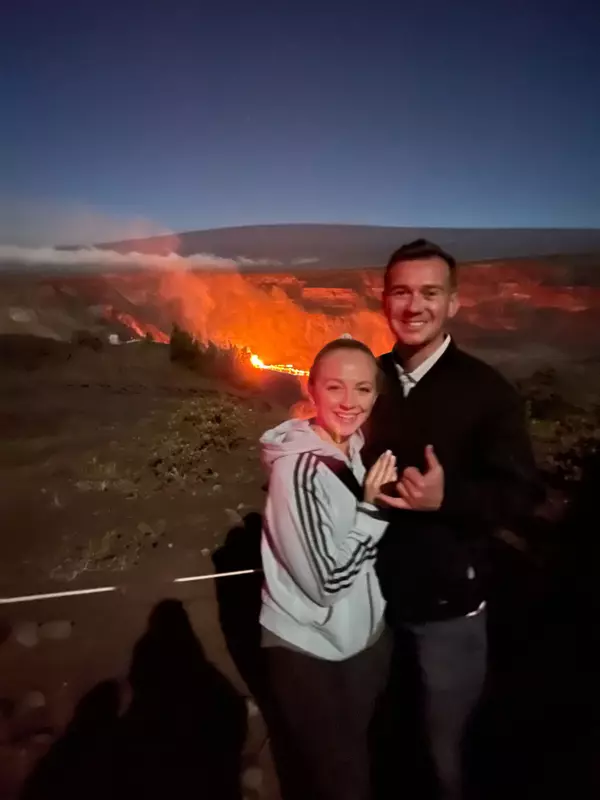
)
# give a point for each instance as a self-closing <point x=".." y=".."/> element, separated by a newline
<point x="319" y="720"/>
<point x="438" y="675"/>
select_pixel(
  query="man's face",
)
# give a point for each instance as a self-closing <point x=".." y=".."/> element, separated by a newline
<point x="419" y="299"/>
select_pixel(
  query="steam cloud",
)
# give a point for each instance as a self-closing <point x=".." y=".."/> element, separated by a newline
<point x="94" y="259"/>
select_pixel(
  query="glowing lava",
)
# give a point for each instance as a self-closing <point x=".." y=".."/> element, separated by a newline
<point x="143" y="329"/>
<point x="289" y="368"/>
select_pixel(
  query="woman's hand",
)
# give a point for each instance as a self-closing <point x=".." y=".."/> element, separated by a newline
<point x="383" y="471"/>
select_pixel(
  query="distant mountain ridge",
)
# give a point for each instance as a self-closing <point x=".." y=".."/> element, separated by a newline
<point x="322" y="246"/>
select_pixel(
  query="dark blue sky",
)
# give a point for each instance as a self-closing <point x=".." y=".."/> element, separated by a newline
<point x="200" y="114"/>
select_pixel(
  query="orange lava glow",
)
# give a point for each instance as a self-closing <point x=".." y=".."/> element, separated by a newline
<point x="282" y="320"/>
<point x="289" y="368"/>
<point x="142" y="329"/>
<point x="251" y="312"/>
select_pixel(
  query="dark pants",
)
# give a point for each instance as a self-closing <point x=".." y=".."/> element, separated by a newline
<point x="319" y="720"/>
<point x="437" y="679"/>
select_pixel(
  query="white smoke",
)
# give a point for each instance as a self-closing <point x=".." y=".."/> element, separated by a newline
<point x="94" y="259"/>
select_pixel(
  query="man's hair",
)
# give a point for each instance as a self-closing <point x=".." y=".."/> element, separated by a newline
<point x="416" y="251"/>
<point x="338" y="344"/>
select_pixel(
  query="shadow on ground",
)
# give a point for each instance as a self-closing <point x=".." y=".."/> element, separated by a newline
<point x="181" y="734"/>
<point x="239" y="600"/>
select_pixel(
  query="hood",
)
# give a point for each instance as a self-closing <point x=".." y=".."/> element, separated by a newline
<point x="295" y="436"/>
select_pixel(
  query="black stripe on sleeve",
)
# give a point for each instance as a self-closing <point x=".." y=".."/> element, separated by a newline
<point x="318" y="530"/>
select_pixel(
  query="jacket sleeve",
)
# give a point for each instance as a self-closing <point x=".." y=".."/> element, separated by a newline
<point x="324" y="562"/>
<point x="504" y="486"/>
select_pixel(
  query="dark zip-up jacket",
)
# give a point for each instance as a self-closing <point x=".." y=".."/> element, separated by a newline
<point x="431" y="565"/>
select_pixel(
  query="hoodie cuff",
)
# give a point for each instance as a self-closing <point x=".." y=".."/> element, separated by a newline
<point x="371" y="520"/>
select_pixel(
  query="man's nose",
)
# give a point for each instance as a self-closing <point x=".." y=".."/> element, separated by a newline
<point x="415" y="303"/>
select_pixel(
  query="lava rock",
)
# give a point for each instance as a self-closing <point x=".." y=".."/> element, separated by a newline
<point x="32" y="700"/>
<point x="26" y="633"/>
<point x="233" y="517"/>
<point x="57" y="630"/>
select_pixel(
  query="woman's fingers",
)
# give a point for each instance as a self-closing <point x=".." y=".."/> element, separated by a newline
<point x="391" y="474"/>
<point x="380" y="468"/>
<point x="374" y="472"/>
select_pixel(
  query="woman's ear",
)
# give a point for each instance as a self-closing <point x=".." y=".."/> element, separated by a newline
<point x="303" y="409"/>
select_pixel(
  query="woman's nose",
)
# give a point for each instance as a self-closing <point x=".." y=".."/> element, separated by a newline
<point x="348" y="401"/>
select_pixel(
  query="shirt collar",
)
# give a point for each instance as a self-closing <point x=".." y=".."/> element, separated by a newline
<point x="410" y="379"/>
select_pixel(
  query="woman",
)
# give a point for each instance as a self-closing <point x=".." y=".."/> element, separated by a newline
<point x="326" y="649"/>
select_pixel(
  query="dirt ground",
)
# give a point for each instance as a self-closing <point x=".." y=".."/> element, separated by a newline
<point x="119" y="469"/>
<point x="124" y="473"/>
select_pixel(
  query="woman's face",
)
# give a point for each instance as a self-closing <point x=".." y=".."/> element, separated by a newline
<point x="344" y="391"/>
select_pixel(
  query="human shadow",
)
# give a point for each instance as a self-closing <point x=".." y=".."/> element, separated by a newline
<point x="182" y="734"/>
<point x="82" y="762"/>
<point x="185" y="727"/>
<point x="239" y="600"/>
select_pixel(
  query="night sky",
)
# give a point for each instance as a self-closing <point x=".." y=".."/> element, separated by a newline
<point x="197" y="114"/>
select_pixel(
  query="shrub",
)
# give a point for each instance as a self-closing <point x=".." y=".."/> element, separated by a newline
<point x="564" y="435"/>
<point x="183" y="348"/>
<point x="87" y="339"/>
<point x="230" y="364"/>
<point x="198" y="426"/>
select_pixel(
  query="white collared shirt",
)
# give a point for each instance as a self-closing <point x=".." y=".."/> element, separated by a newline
<point x="410" y="379"/>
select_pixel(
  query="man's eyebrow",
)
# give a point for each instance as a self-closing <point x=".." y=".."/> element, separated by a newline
<point x="424" y="286"/>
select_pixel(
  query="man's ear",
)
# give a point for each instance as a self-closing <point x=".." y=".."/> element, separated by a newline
<point x="453" y="305"/>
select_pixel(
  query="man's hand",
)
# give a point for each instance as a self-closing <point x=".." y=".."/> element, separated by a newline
<point x="419" y="491"/>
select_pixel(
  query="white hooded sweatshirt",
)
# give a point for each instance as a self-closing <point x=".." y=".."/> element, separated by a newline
<point x="321" y="593"/>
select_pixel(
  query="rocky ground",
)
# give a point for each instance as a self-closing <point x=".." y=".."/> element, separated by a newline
<point x="124" y="471"/>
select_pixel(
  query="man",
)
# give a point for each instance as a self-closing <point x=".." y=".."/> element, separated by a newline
<point x="442" y="409"/>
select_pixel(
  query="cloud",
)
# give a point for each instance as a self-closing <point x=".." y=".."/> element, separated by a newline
<point x="93" y="259"/>
<point x="298" y="262"/>
<point x="243" y="261"/>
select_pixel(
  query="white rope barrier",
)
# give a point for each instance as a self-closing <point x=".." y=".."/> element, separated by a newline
<point x="216" y="575"/>
<point x="29" y="598"/>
